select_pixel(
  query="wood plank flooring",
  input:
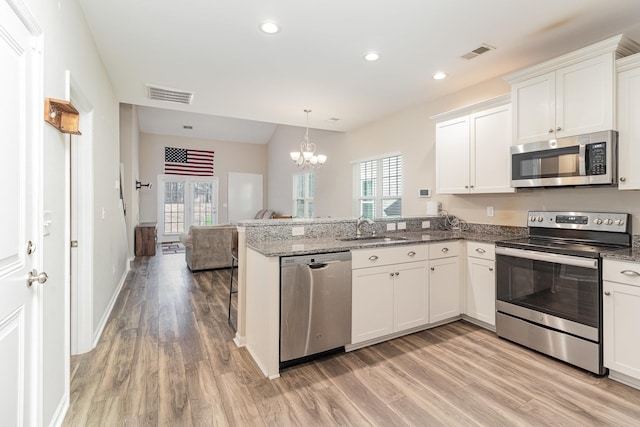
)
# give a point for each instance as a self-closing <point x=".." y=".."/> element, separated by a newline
<point x="167" y="358"/>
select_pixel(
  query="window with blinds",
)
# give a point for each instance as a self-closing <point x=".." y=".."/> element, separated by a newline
<point x="372" y="200"/>
<point x="303" y="189"/>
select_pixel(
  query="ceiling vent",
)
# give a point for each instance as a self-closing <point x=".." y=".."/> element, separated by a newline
<point x="172" y="95"/>
<point x="478" y="51"/>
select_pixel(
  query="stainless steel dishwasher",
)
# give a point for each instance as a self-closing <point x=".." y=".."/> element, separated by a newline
<point x="315" y="305"/>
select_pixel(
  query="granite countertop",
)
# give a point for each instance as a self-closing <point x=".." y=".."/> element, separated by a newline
<point x="272" y="248"/>
<point x="630" y="254"/>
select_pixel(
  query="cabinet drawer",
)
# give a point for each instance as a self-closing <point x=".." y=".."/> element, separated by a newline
<point x="362" y="258"/>
<point x="481" y="250"/>
<point x="444" y="249"/>
<point x="621" y="272"/>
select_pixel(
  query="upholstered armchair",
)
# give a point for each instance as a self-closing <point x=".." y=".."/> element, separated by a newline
<point x="208" y="246"/>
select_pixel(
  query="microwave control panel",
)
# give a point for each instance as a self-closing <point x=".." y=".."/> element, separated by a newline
<point x="596" y="161"/>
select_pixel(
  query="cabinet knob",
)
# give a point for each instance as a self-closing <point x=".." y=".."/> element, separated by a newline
<point x="397" y="273"/>
<point x="623" y="179"/>
<point x="471" y="186"/>
<point x="607" y="293"/>
<point x="558" y="128"/>
<point x="373" y="258"/>
<point x="433" y="268"/>
<point x="550" y="130"/>
<point x="391" y="274"/>
<point x="466" y="186"/>
<point x="490" y="268"/>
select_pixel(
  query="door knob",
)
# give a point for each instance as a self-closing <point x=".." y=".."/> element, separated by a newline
<point x="35" y="277"/>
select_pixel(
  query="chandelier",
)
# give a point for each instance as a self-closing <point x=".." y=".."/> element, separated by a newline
<point x="307" y="157"/>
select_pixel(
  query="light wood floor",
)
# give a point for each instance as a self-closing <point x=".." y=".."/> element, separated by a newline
<point x="167" y="358"/>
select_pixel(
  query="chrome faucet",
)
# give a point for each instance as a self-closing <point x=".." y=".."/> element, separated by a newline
<point x="359" y="224"/>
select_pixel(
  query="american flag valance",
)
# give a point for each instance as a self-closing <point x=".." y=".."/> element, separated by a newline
<point x="181" y="161"/>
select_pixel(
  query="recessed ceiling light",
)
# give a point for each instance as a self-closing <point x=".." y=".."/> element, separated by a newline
<point x="439" y="75"/>
<point x="371" y="56"/>
<point x="269" y="27"/>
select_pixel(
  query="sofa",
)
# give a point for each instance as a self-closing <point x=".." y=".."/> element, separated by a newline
<point x="209" y="246"/>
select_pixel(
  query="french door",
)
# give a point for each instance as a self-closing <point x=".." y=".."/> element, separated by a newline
<point x="184" y="201"/>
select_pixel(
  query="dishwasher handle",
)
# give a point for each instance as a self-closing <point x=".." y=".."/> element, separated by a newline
<point x="318" y="266"/>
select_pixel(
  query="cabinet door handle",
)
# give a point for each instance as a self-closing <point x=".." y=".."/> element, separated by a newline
<point x="630" y="273"/>
<point x="411" y="253"/>
<point x="397" y="273"/>
<point x="623" y="179"/>
<point x="445" y="250"/>
<point x="433" y="268"/>
<point x="480" y="250"/>
<point x="607" y="293"/>
<point x="373" y="258"/>
<point x="550" y="130"/>
<point x="391" y="274"/>
<point x="490" y="268"/>
<point x="558" y="128"/>
<point x="466" y="186"/>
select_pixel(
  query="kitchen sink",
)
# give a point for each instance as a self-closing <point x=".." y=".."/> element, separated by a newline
<point x="374" y="240"/>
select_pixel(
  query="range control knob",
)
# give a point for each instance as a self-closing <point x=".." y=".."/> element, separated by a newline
<point x="608" y="221"/>
<point x="597" y="221"/>
<point x="532" y="218"/>
<point x="619" y="222"/>
<point x="540" y="219"/>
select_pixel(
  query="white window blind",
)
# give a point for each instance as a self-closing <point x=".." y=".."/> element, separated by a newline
<point x="378" y="201"/>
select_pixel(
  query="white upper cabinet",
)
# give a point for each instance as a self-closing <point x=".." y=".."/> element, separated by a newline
<point x="628" y="122"/>
<point x="472" y="148"/>
<point x="569" y="95"/>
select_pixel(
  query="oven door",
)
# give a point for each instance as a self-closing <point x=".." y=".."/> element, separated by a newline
<point x="557" y="291"/>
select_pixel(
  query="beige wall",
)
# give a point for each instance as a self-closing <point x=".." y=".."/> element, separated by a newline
<point x="412" y="133"/>
<point x="229" y="157"/>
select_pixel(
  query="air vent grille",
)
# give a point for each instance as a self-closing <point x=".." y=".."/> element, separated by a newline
<point x="171" y="95"/>
<point x="478" y="51"/>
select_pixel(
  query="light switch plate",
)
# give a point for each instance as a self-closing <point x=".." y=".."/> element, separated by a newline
<point x="402" y="226"/>
<point x="391" y="226"/>
<point x="426" y="224"/>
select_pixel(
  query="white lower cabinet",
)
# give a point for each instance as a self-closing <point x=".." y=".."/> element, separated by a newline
<point x="388" y="298"/>
<point x="481" y="283"/>
<point x="621" y="311"/>
<point x="444" y="281"/>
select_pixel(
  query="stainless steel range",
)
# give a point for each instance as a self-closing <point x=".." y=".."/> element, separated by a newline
<point x="549" y="285"/>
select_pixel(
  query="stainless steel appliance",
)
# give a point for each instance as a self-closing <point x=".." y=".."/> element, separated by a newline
<point x="589" y="159"/>
<point x="315" y="305"/>
<point x="549" y="285"/>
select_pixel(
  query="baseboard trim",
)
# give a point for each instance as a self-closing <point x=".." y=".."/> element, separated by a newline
<point x="105" y="316"/>
<point x="61" y="412"/>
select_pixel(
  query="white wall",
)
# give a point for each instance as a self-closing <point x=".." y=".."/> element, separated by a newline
<point x="229" y="157"/>
<point x="412" y="133"/>
<point x="68" y="45"/>
<point x="129" y="157"/>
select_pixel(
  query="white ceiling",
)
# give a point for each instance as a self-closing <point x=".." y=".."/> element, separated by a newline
<point x="215" y="49"/>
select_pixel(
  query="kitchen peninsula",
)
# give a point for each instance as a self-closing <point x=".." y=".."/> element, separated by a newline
<point x="263" y="242"/>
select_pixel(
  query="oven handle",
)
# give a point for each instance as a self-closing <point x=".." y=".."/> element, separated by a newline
<point x="547" y="257"/>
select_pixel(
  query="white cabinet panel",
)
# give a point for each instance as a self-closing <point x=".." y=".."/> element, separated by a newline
<point x="629" y="125"/>
<point x="481" y="290"/>
<point x="372" y="299"/>
<point x="410" y="297"/>
<point x="452" y="156"/>
<point x="534" y="108"/>
<point x="444" y="289"/>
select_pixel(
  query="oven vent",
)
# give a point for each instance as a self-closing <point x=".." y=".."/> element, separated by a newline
<point x="171" y="95"/>
<point x="484" y="48"/>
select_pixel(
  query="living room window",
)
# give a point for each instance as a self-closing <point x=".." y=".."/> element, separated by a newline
<point x="303" y="184"/>
<point x="377" y="189"/>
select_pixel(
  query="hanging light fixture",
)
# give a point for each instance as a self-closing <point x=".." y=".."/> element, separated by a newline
<point x="307" y="157"/>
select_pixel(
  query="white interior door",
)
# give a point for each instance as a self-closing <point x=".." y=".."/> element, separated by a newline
<point x="19" y="105"/>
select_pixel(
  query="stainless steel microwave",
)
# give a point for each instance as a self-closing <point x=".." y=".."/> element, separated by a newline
<point x="588" y="159"/>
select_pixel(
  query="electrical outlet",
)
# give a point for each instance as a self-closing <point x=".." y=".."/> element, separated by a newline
<point x="490" y="211"/>
<point x="402" y="226"/>
<point x="391" y="226"/>
<point x="297" y="231"/>
<point x="426" y="224"/>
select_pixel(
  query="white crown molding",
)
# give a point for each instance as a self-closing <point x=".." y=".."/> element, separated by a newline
<point x="473" y="108"/>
